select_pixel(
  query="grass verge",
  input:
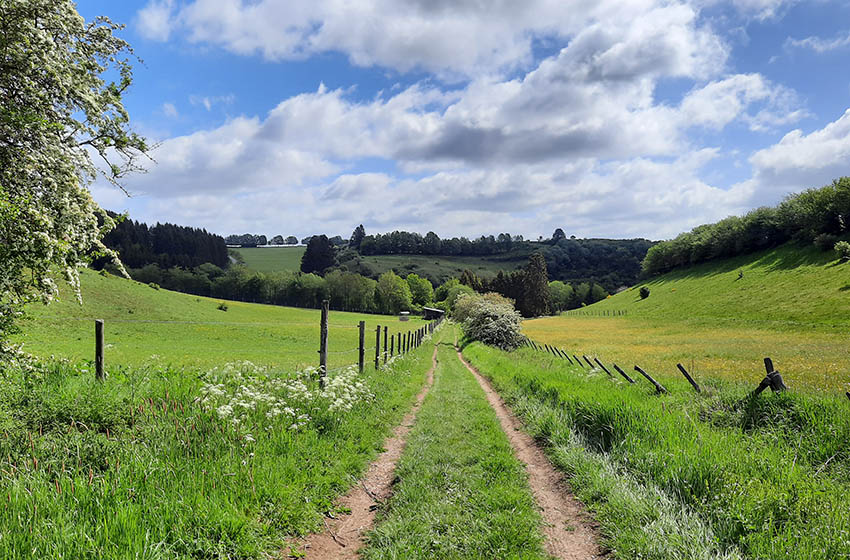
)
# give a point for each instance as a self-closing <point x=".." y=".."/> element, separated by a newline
<point x="685" y="476"/>
<point x="460" y="491"/>
<point x="160" y="463"/>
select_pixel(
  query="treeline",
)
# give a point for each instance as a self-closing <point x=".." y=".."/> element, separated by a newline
<point x="166" y="245"/>
<point x="254" y="240"/>
<point x="346" y="291"/>
<point x="814" y="215"/>
<point x="407" y="243"/>
<point x="534" y="295"/>
<point x="613" y="263"/>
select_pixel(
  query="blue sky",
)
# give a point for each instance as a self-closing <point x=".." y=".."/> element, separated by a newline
<point x="605" y="118"/>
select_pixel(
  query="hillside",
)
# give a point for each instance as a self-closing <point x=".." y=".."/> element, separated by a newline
<point x="144" y="324"/>
<point x="790" y="304"/>
<point x="791" y="284"/>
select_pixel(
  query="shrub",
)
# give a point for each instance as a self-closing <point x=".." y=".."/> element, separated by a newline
<point x="644" y="292"/>
<point x="491" y="319"/>
<point x="154" y="285"/>
<point x="843" y="250"/>
<point x="222" y="306"/>
<point x="825" y="241"/>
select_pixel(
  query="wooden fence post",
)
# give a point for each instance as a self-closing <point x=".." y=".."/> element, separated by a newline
<point x="98" y="349"/>
<point x="658" y="386"/>
<point x="377" y="345"/>
<point x="588" y="361"/>
<point x="392" y="345"/>
<point x="361" y="358"/>
<point x="385" y="344"/>
<point x="323" y="344"/>
<point x="603" y="367"/>
<point x="578" y="361"/>
<point x="623" y="373"/>
<point x="689" y="378"/>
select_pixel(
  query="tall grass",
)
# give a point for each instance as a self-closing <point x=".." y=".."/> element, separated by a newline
<point x="768" y="477"/>
<point x="151" y="464"/>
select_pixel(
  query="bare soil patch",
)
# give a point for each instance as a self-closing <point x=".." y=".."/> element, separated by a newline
<point x="343" y="536"/>
<point x="570" y="532"/>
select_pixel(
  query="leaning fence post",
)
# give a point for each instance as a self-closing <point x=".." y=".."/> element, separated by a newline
<point x="689" y="378"/>
<point x="377" y="345"/>
<point x="392" y="345"/>
<point x="578" y="361"/>
<point x="588" y="361"/>
<point x="323" y="344"/>
<point x="361" y="357"/>
<point x="595" y="359"/>
<point x="98" y="349"/>
<point x="658" y="385"/>
<point x="623" y="373"/>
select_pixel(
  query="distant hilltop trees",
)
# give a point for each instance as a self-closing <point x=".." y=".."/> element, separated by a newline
<point x="253" y="240"/>
<point x="818" y="216"/>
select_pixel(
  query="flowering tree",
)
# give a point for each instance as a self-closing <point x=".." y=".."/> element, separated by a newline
<point x="58" y="113"/>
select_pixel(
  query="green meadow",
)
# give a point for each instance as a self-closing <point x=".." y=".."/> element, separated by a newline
<point x="147" y="325"/>
<point x="720" y="319"/>
<point x="272" y="259"/>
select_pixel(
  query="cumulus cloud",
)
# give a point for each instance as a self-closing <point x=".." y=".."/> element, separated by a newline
<point x="155" y="20"/>
<point x="451" y="39"/>
<point x="577" y="140"/>
<point x="801" y="160"/>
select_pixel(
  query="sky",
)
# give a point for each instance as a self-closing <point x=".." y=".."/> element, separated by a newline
<point x="606" y="118"/>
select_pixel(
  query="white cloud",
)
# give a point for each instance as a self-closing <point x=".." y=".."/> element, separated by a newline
<point x="801" y="160"/>
<point x="819" y="44"/>
<point x="451" y="39"/>
<point x="170" y="110"/>
<point x="155" y="20"/>
<point x="207" y="102"/>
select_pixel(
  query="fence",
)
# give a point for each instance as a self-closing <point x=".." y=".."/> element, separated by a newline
<point x="772" y="379"/>
<point x="397" y="343"/>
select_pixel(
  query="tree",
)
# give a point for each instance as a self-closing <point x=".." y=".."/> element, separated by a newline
<point x="392" y="293"/>
<point x="431" y="245"/>
<point x="319" y="256"/>
<point x="422" y="293"/>
<point x="56" y="111"/>
<point x="561" y="295"/>
<point x="357" y="237"/>
<point x="292" y="240"/>
<point x="558" y="236"/>
<point x="535" y="294"/>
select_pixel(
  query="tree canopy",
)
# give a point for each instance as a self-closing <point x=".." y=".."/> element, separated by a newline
<point x="57" y="113"/>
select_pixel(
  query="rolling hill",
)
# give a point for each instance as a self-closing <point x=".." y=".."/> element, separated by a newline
<point x="721" y="318"/>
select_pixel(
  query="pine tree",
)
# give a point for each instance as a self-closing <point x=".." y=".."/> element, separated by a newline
<point x="357" y="237"/>
<point x="535" y="293"/>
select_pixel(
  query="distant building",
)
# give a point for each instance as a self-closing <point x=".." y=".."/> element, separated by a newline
<point x="431" y="313"/>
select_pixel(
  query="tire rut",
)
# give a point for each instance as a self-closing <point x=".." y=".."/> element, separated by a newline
<point x="569" y="531"/>
<point x="343" y="536"/>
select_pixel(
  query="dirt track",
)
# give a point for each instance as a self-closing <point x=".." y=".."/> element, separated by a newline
<point x="569" y="531"/>
<point x="343" y="536"/>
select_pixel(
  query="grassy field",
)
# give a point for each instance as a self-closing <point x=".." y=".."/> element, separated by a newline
<point x="791" y="305"/>
<point x="161" y="463"/>
<point x="272" y="259"/>
<point x="145" y="325"/>
<point x="686" y="476"/>
<point x="460" y="492"/>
